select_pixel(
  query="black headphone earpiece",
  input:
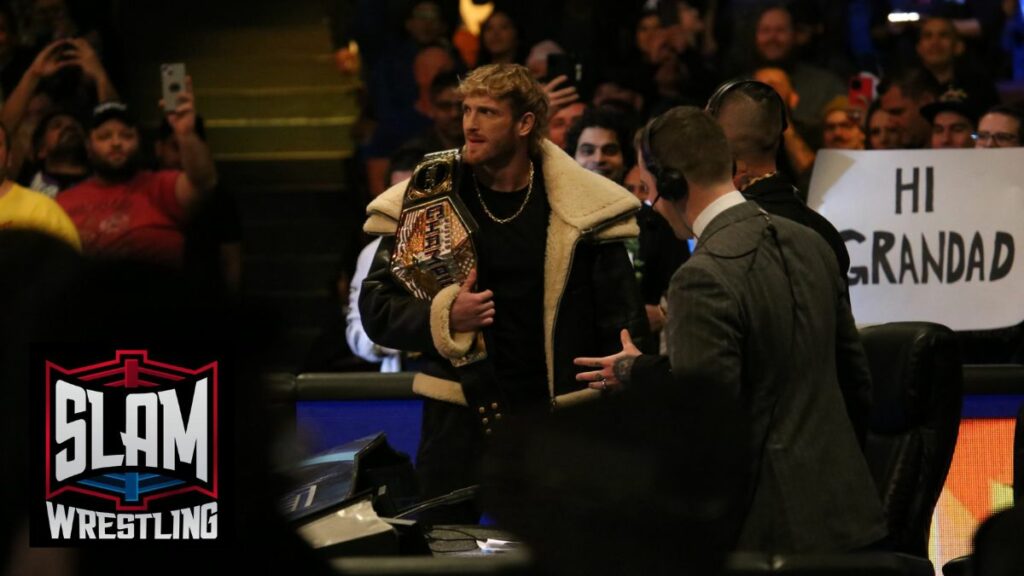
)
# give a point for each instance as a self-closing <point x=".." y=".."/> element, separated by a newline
<point x="671" y="183"/>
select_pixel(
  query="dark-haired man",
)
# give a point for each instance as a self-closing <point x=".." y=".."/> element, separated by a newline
<point x="903" y="94"/>
<point x="552" y="280"/>
<point x="127" y="212"/>
<point x="601" y="142"/>
<point x="759" y="311"/>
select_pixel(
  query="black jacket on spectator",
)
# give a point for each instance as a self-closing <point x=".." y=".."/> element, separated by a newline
<point x="659" y="254"/>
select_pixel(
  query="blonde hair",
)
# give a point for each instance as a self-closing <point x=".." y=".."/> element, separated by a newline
<point x="515" y="84"/>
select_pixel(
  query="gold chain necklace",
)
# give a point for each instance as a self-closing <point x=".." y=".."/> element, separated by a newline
<point x="529" y="190"/>
<point x="759" y="178"/>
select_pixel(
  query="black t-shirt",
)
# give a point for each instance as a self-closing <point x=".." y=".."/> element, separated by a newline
<point x="511" y="263"/>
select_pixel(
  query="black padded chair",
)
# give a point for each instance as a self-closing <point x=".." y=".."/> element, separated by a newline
<point x="915" y="419"/>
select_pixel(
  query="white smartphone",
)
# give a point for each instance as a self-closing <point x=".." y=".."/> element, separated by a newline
<point x="173" y="78"/>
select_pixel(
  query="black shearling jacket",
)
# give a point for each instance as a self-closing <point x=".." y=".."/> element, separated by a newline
<point x="590" y="291"/>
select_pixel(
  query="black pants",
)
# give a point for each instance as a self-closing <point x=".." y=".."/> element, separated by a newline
<point x="451" y="446"/>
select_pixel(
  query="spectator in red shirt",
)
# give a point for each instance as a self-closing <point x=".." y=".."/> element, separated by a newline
<point x="126" y="212"/>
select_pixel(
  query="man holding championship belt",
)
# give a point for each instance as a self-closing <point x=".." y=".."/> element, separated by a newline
<point x="500" y="264"/>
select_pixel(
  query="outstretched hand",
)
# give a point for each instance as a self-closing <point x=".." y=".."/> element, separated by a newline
<point x="56" y="56"/>
<point x="471" y="311"/>
<point x="78" y="52"/>
<point x="605" y="378"/>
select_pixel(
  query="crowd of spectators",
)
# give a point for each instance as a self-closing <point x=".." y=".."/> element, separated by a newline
<point x="74" y="159"/>
<point x="845" y="70"/>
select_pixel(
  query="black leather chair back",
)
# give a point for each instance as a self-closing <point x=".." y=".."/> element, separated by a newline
<point x="915" y="419"/>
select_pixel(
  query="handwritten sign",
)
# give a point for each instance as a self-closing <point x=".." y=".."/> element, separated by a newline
<point x="932" y="234"/>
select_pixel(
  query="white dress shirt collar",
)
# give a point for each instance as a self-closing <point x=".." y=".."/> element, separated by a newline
<point x="721" y="204"/>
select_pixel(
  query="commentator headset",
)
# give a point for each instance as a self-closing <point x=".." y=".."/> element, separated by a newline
<point x="759" y="89"/>
<point x="671" y="183"/>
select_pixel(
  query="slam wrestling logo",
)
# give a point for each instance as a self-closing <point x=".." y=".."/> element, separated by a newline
<point x="131" y="450"/>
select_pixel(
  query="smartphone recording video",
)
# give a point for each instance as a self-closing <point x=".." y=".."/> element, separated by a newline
<point x="172" y="77"/>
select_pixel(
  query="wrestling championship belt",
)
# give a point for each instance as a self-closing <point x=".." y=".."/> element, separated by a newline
<point x="433" y="243"/>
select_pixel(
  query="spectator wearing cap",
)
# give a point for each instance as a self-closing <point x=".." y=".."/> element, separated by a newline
<point x="1001" y="127"/>
<point x="841" y="126"/>
<point x="953" y="120"/>
<point x="126" y="212"/>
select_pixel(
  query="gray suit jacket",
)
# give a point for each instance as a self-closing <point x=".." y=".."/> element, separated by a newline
<point x="758" y="311"/>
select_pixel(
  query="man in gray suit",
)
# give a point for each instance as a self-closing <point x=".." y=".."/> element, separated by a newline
<point x="758" y="311"/>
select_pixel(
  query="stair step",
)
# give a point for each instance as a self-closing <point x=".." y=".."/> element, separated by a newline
<point x="312" y="138"/>
<point x="275" y="173"/>
<point x="312" y="101"/>
<point x="251" y="44"/>
<point x="270" y="208"/>
<point x="307" y="237"/>
<point x="299" y="68"/>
